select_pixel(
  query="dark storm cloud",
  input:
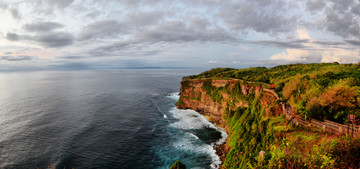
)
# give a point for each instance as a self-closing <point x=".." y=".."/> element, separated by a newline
<point x="48" y="7"/>
<point x="130" y="28"/>
<point x="356" y="9"/>
<point x="43" y="26"/>
<point x="177" y="31"/>
<point x="343" y="5"/>
<point x="12" y="36"/>
<point x="15" y="13"/>
<point x="103" y="29"/>
<point x="315" y="5"/>
<point x="353" y="42"/>
<point x="16" y="58"/>
<point x="115" y="47"/>
<point x="47" y="39"/>
<point x="123" y="49"/>
<point x="329" y="43"/>
<point x="295" y="44"/>
<point x="341" y="17"/>
<point x="54" y="39"/>
<point x="300" y="44"/>
<point x="345" y="24"/>
<point x="92" y="14"/>
<point x="260" y="16"/>
<point x="338" y="5"/>
<point x="72" y="57"/>
<point x="141" y="19"/>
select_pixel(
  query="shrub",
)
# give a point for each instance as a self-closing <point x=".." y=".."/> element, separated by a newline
<point x="347" y="153"/>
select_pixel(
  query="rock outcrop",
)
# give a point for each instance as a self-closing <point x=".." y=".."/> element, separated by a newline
<point x="194" y="96"/>
<point x="226" y="94"/>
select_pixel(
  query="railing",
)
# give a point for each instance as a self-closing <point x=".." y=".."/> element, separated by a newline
<point x="351" y="127"/>
<point x="302" y="122"/>
<point x="326" y="125"/>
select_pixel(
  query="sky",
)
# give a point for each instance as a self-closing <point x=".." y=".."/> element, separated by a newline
<point x="110" y="34"/>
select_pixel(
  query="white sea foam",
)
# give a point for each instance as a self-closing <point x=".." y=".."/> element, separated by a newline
<point x="223" y="136"/>
<point x="187" y="143"/>
<point x="174" y="96"/>
<point x="190" y="119"/>
<point x="193" y="135"/>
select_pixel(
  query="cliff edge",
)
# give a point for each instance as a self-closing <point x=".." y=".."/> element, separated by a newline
<point x="304" y="128"/>
<point x="212" y="97"/>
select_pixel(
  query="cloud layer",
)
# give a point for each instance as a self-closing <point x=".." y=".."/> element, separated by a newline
<point x="161" y="33"/>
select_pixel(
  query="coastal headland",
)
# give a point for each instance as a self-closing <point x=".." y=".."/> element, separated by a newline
<point x="281" y="116"/>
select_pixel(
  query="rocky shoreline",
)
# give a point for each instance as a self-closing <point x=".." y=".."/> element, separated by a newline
<point x="221" y="150"/>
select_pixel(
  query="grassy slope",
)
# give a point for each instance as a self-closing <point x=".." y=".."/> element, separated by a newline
<point x="321" y="91"/>
<point x="326" y="90"/>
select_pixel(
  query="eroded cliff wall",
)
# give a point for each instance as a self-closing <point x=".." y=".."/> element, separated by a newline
<point x="211" y="97"/>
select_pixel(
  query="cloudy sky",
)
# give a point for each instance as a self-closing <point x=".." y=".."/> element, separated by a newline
<point x="101" y="34"/>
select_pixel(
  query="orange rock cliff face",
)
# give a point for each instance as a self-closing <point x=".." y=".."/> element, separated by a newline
<point x="194" y="96"/>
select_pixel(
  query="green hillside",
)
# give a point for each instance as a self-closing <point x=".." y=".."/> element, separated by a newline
<point x="319" y="91"/>
<point x="326" y="90"/>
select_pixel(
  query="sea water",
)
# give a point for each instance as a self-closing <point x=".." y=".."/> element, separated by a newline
<point x="101" y="119"/>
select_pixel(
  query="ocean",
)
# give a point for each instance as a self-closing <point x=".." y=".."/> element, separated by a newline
<point x="101" y="119"/>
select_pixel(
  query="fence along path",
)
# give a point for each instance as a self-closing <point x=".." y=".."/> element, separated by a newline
<point x="326" y="125"/>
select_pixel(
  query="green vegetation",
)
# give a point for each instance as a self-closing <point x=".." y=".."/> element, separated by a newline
<point x="178" y="165"/>
<point x="211" y="73"/>
<point x="260" y="140"/>
<point x="326" y="90"/>
<point x="180" y="101"/>
<point x="214" y="92"/>
<point x="197" y="96"/>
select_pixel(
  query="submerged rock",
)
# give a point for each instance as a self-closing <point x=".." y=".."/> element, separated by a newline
<point x="178" y="165"/>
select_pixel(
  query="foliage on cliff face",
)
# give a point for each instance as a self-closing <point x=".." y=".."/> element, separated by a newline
<point x="249" y="135"/>
<point x="260" y="140"/>
<point x="212" y="91"/>
<point x="347" y="153"/>
<point x="257" y="141"/>
<point x="326" y="90"/>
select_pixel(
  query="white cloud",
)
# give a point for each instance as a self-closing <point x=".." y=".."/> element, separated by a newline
<point x="303" y="34"/>
<point x="232" y="32"/>
<point x="315" y="52"/>
<point x="341" y="56"/>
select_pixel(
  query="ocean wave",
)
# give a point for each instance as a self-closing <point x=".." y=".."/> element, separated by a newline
<point x="189" y="143"/>
<point x="174" y="96"/>
<point x="190" y="120"/>
<point x="224" y="135"/>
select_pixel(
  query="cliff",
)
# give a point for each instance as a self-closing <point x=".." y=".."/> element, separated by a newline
<point x="268" y="131"/>
<point x="212" y="97"/>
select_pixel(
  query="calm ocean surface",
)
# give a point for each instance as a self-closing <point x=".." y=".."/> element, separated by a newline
<point x="101" y="119"/>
